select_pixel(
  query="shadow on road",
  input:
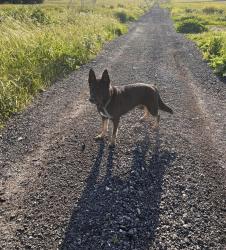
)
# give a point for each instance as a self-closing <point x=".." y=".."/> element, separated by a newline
<point x="120" y="213"/>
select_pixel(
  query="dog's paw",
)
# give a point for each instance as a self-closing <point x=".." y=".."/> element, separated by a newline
<point x="111" y="145"/>
<point x="155" y="127"/>
<point x="142" y="119"/>
<point x="99" y="137"/>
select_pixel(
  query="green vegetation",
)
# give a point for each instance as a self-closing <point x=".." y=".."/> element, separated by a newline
<point x="205" y="23"/>
<point x="190" y="25"/>
<point x="213" y="46"/>
<point x="40" y="44"/>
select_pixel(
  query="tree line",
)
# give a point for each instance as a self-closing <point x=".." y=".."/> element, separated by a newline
<point x="22" y="1"/>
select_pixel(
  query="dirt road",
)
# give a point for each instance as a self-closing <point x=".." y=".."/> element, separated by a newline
<point x="155" y="190"/>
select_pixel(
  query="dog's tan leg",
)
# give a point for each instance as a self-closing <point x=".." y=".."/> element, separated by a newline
<point x="114" y="133"/>
<point x="146" y="114"/>
<point x="103" y="129"/>
<point x="157" y="122"/>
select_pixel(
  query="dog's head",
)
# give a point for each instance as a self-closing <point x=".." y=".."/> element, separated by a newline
<point x="99" y="88"/>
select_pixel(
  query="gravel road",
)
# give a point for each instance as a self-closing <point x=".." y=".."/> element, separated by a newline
<point x="156" y="190"/>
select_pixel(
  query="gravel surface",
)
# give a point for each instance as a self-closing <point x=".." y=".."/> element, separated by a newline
<point x="156" y="190"/>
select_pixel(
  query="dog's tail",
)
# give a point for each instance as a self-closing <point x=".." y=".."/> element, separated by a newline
<point x="164" y="107"/>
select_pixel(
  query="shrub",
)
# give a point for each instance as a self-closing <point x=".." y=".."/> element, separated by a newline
<point x="123" y="17"/>
<point x="212" y="10"/>
<point x="188" y="10"/>
<point x="219" y="65"/>
<point x="222" y="18"/>
<point x="39" y="16"/>
<point x="121" y="5"/>
<point x="190" y="26"/>
<point x="215" y="46"/>
<point x="193" y="17"/>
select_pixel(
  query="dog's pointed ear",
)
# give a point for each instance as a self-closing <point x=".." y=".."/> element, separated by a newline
<point x="105" y="77"/>
<point x="92" y="76"/>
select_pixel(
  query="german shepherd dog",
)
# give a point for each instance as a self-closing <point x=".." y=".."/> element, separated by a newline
<point x="112" y="102"/>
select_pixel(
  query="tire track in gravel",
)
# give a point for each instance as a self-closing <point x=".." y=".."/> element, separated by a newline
<point x="155" y="190"/>
<point x="205" y="103"/>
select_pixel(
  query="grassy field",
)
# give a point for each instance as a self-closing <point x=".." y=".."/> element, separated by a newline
<point x="38" y="44"/>
<point x="205" y="23"/>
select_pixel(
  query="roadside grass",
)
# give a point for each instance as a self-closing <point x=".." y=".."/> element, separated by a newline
<point x="211" y="39"/>
<point x="213" y="46"/>
<point x="39" y="44"/>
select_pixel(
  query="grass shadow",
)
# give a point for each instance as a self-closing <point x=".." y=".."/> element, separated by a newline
<point x="120" y="213"/>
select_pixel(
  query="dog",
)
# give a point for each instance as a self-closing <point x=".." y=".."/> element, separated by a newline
<point x="114" y="101"/>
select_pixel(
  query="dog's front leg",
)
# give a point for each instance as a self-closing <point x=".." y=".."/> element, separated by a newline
<point x="104" y="128"/>
<point x="114" y="133"/>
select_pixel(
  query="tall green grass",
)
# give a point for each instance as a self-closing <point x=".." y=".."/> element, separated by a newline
<point x="38" y="45"/>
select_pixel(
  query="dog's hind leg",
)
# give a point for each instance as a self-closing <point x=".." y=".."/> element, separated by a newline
<point x="114" y="133"/>
<point x="157" y="122"/>
<point x="104" y="129"/>
<point x="146" y="114"/>
<point x="154" y="112"/>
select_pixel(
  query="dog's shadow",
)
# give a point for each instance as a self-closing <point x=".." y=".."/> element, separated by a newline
<point x="120" y="213"/>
